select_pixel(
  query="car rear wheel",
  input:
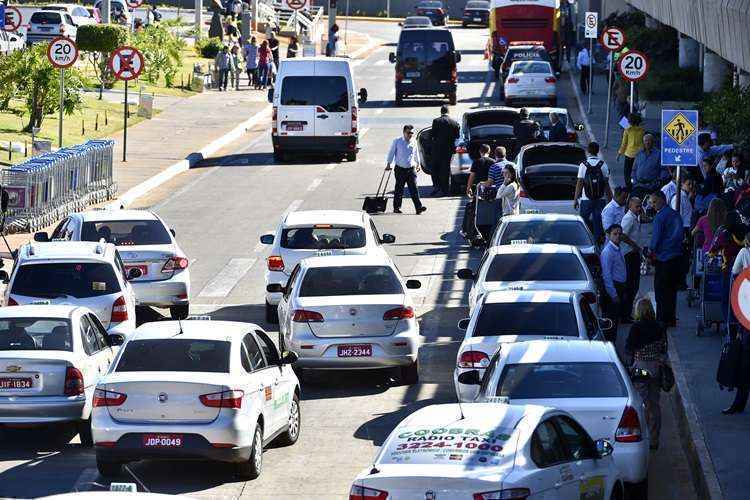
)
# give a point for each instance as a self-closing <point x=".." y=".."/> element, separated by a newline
<point x="272" y="313"/>
<point x="84" y="433"/>
<point x="351" y="157"/>
<point x="252" y="468"/>
<point x="293" y="425"/>
<point x="410" y="373"/>
<point x="452" y="98"/>
<point x="399" y="100"/>
<point x="278" y="156"/>
<point x="179" y="312"/>
<point x="108" y="469"/>
<point x="638" y="491"/>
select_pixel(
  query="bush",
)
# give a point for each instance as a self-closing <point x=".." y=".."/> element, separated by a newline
<point x="209" y="47"/>
<point x="672" y="84"/>
<point x="103" y="38"/>
<point x="162" y="51"/>
<point x="729" y="111"/>
<point x="626" y="19"/>
<point x="658" y="44"/>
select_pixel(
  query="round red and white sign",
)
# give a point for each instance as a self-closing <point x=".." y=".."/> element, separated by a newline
<point x="740" y="298"/>
<point x="126" y="63"/>
<point x="62" y="52"/>
<point x="296" y="4"/>
<point x="13" y="19"/>
<point x="633" y="66"/>
<point x="134" y="4"/>
<point x="612" y="38"/>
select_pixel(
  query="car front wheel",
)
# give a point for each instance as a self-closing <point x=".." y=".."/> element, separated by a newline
<point x="410" y="373"/>
<point x="293" y="425"/>
<point x="108" y="469"/>
<point x="84" y="433"/>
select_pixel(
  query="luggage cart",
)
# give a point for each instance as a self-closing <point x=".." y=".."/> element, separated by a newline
<point x="695" y="276"/>
<point x="712" y="290"/>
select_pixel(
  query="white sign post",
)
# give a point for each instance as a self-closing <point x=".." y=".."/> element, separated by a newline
<point x="126" y="64"/>
<point x="612" y="39"/>
<point x="62" y="52"/>
<point x="633" y="66"/>
<point x="591" y="30"/>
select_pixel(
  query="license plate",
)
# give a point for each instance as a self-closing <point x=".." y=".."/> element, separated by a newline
<point x="15" y="383"/>
<point x="355" y="351"/>
<point x="142" y="267"/>
<point x="162" y="440"/>
<point x="294" y="127"/>
<point x="478" y="19"/>
<point x="413" y="74"/>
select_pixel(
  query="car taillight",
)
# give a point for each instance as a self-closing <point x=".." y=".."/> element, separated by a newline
<point x="275" y="263"/>
<point x="513" y="493"/>
<point x="399" y="313"/>
<point x="74" y="385"/>
<point x="522" y="194"/>
<point x="550" y="79"/>
<point x="454" y="75"/>
<point x="119" y="310"/>
<point x="362" y="493"/>
<point x="354" y="119"/>
<point x="12" y="301"/>
<point x="589" y="297"/>
<point x="175" y="264"/>
<point x="629" y="428"/>
<point x="573" y="136"/>
<point x="473" y="359"/>
<point x="461" y="150"/>
<point x="274" y="115"/>
<point x="108" y="398"/>
<point x="399" y="76"/>
<point x="223" y="399"/>
<point x="512" y="80"/>
<point x="305" y="316"/>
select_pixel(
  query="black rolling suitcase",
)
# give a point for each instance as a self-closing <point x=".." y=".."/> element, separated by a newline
<point x="469" y="228"/>
<point x="378" y="203"/>
<point x="727" y="375"/>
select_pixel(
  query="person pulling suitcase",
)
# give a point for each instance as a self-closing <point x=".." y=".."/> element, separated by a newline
<point x="404" y="156"/>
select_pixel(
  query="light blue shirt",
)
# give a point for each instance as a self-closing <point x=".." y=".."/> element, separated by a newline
<point x="613" y="268"/>
<point x="612" y="214"/>
<point x="403" y="154"/>
<point x="712" y="152"/>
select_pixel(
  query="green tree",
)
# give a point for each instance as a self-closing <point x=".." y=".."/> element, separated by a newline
<point x="98" y="41"/>
<point x="729" y="111"/>
<point x="28" y="75"/>
<point x="162" y="51"/>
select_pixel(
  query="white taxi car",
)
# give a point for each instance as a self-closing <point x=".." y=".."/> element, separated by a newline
<point x="489" y="452"/>
<point x="530" y="267"/>
<point x="350" y="312"/>
<point x="504" y="317"/>
<point x="205" y="390"/>
<point x="585" y="379"/>
<point x="144" y="241"/>
<point x="530" y="82"/>
<point x="307" y="233"/>
<point x="75" y="273"/>
<point x="51" y="358"/>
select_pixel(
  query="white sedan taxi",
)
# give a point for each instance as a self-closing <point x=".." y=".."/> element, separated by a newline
<point x="205" y="390"/>
<point x="585" y="379"/>
<point x="530" y="82"/>
<point x="489" y="452"/>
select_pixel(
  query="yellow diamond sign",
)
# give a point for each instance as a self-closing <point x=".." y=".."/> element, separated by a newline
<point x="679" y="128"/>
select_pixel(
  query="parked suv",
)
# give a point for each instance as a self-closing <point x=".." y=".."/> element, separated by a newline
<point x="45" y="25"/>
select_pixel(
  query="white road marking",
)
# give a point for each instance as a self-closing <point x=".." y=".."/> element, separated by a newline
<point x="381" y="62"/>
<point x="363" y="132"/>
<point x="330" y="166"/>
<point x="291" y="208"/>
<point x="228" y="277"/>
<point x="259" y="247"/>
<point x="86" y="479"/>
<point x="314" y="184"/>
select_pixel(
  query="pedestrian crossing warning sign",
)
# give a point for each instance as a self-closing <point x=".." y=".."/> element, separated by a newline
<point x="679" y="128"/>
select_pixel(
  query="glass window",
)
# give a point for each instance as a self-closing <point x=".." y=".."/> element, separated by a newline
<point x="322" y="237"/>
<point x="529" y="67"/>
<point x="81" y="12"/>
<point x="576" y="440"/>
<point x="99" y="333"/>
<point x="59" y="232"/>
<point x="175" y="355"/>
<point x="546" y="446"/>
<point x="541" y="231"/>
<point x="536" y="267"/>
<point x="477" y="5"/>
<point x="554" y="155"/>
<point x="88" y="336"/>
<point x="375" y="232"/>
<point x="268" y="347"/>
<point x="561" y="380"/>
<point x="127" y="232"/>
<point x="40" y="334"/>
<point x="63" y="279"/>
<point x="526" y="318"/>
<point x="589" y="319"/>
<point x="253" y="353"/>
<point x="292" y="281"/>
<point x="45" y="17"/>
<point x="350" y="280"/>
<point x="543" y="119"/>
<point x="329" y="92"/>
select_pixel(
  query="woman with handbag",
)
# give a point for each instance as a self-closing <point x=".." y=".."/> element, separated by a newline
<point x="646" y="345"/>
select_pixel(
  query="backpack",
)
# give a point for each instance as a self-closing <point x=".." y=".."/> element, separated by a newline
<point x="594" y="180"/>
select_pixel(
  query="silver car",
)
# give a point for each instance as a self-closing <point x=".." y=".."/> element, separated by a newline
<point x="350" y="312"/>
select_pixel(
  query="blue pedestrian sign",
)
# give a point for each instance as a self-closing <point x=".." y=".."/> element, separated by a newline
<point x="2" y="16"/>
<point x="679" y="138"/>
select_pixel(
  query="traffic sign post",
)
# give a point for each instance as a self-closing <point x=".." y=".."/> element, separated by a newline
<point x="62" y="53"/>
<point x="11" y="18"/>
<point x="591" y="27"/>
<point x="740" y="298"/>
<point x="612" y="39"/>
<point x="126" y="64"/>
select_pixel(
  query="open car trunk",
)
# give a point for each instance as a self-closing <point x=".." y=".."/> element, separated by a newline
<point x="491" y="127"/>
<point x="424" y="143"/>
<point x="550" y="172"/>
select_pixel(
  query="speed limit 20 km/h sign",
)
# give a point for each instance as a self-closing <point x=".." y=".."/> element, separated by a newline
<point x="633" y="66"/>
<point x="62" y="52"/>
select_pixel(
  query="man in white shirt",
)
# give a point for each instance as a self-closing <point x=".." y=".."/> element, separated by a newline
<point x="583" y="63"/>
<point x="686" y="207"/>
<point x="593" y="190"/>
<point x="670" y="189"/>
<point x="632" y="236"/>
<point x="615" y="209"/>
<point x="404" y="156"/>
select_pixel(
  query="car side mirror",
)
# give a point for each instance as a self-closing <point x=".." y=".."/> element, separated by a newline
<point x="362" y="95"/>
<point x="471" y="378"/>
<point x="413" y="284"/>
<point x="115" y="339"/>
<point x="387" y="238"/>
<point x="134" y="273"/>
<point x="465" y="274"/>
<point x="392" y="57"/>
<point x="41" y="236"/>
<point x="603" y="447"/>
<point x="4" y="278"/>
<point x="266" y="239"/>
<point x="289" y="357"/>
<point x="171" y="230"/>
<point x="606" y="323"/>
<point x="275" y="288"/>
<point x="458" y="57"/>
<point x="463" y="324"/>
<point x="270" y="94"/>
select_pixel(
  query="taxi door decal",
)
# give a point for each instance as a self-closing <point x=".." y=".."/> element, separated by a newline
<point x="269" y="393"/>
<point x="592" y="488"/>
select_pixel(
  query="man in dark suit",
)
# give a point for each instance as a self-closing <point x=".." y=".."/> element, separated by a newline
<point x="558" y="132"/>
<point x="445" y="131"/>
<point x="525" y="129"/>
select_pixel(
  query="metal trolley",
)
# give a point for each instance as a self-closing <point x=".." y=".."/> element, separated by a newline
<point x="711" y="295"/>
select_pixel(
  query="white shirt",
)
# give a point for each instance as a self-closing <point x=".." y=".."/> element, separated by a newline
<point x="669" y="191"/>
<point x="583" y="58"/>
<point x="686" y="208"/>
<point x="612" y="214"/>
<point x="742" y="261"/>
<point x="631" y="227"/>
<point x="508" y="196"/>
<point x="592" y="161"/>
<point x="403" y="154"/>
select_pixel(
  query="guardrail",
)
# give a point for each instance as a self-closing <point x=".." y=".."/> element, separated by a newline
<point x="48" y="187"/>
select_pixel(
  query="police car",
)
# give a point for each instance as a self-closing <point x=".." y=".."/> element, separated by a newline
<point x="489" y="451"/>
<point x="205" y="390"/>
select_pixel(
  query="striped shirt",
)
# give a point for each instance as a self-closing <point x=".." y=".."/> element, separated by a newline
<point x="495" y="173"/>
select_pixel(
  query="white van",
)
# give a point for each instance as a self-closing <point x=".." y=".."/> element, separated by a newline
<point x="315" y="108"/>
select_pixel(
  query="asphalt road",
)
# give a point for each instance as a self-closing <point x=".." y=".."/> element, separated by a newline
<point x="218" y="211"/>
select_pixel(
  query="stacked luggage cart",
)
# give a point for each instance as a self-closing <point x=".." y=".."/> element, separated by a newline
<point x="711" y="292"/>
<point x="48" y="187"/>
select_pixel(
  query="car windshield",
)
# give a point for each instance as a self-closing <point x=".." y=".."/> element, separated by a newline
<point x="417" y="21"/>
<point x="127" y="232"/>
<point x="35" y="334"/>
<point x="544" y="121"/>
<point x="554" y="154"/>
<point x="329" y="92"/>
<point x="322" y="237"/>
<point x="45" y="17"/>
<point x="430" y="5"/>
<point x="528" y="67"/>
<point x="483" y="131"/>
<point x="175" y="355"/>
<point x="63" y="279"/>
<point x="535" y="266"/>
<point x="561" y="380"/>
<point x="350" y="280"/>
<point x="541" y="231"/>
<point x="477" y="5"/>
<point x="526" y="318"/>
